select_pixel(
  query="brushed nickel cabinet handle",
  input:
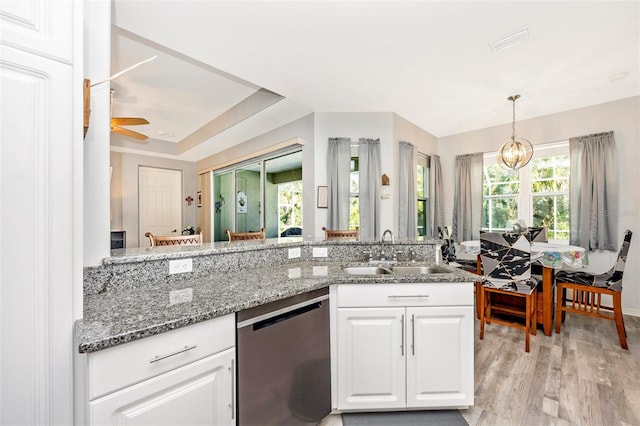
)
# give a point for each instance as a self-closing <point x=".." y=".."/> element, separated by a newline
<point x="402" y="343"/>
<point x="407" y="296"/>
<point x="413" y="334"/>
<point x="233" y="390"/>
<point x="179" y="351"/>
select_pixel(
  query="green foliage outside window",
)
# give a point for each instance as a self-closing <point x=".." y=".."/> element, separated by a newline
<point x="290" y="205"/>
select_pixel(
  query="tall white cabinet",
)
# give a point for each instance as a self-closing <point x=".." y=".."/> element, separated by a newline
<point x="37" y="270"/>
<point x="402" y="346"/>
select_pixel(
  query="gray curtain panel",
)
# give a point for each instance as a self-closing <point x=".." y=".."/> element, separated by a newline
<point x="338" y="160"/>
<point x="407" y="193"/>
<point x="437" y="203"/>
<point x="369" y="157"/>
<point x="593" y="192"/>
<point x="467" y="201"/>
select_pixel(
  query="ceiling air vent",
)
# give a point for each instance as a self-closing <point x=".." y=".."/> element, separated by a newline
<point x="509" y="40"/>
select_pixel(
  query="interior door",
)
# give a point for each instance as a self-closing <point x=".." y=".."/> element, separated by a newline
<point x="160" y="202"/>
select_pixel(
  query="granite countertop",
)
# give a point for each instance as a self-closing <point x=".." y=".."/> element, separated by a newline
<point x="117" y="317"/>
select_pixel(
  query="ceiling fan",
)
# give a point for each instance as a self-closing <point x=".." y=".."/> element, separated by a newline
<point x="116" y="122"/>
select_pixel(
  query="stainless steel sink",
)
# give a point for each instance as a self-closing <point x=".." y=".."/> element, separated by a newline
<point x="366" y="270"/>
<point x="419" y="270"/>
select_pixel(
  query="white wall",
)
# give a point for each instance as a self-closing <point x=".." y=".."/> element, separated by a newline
<point x="302" y="129"/>
<point x="97" y="65"/>
<point x="129" y="177"/>
<point x="620" y="116"/>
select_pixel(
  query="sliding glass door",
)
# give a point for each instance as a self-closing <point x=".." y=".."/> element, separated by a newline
<point x="264" y="192"/>
<point x="248" y="198"/>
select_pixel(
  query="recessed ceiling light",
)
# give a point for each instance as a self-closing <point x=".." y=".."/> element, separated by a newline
<point x="163" y="133"/>
<point x="618" y="77"/>
<point x="509" y="40"/>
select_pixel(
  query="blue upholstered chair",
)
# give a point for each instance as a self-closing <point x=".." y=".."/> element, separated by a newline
<point x="506" y="265"/>
<point x="588" y="289"/>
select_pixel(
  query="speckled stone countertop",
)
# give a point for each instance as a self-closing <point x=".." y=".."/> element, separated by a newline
<point x="129" y="313"/>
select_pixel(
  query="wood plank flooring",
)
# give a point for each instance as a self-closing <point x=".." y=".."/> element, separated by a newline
<point x="578" y="377"/>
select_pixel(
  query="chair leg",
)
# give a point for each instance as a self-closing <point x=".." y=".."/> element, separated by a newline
<point x="559" y="305"/>
<point x="527" y="323"/>
<point x="481" y="312"/>
<point x="617" y="313"/>
<point x="534" y="309"/>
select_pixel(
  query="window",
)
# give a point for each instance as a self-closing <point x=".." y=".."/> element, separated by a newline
<point x="354" y="191"/>
<point x="550" y="195"/>
<point x="538" y="193"/>
<point x="422" y="187"/>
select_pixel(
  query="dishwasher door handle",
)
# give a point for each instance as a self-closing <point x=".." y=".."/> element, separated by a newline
<point x="285" y="316"/>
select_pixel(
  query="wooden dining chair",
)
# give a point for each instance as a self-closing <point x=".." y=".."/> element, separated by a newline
<point x="341" y="234"/>
<point x="588" y="289"/>
<point x="506" y="265"/>
<point x="244" y="236"/>
<point x="174" y="240"/>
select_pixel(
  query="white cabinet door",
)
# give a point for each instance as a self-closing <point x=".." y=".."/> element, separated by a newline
<point x="200" y="393"/>
<point x="440" y="358"/>
<point x="37" y="256"/>
<point x="371" y="363"/>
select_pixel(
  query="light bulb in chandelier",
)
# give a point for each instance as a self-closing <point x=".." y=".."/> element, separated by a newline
<point x="517" y="152"/>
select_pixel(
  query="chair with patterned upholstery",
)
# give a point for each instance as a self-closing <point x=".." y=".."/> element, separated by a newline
<point x="341" y="234"/>
<point x="588" y="289"/>
<point x="449" y="253"/>
<point x="244" y="236"/>
<point x="506" y="264"/>
<point x="538" y="234"/>
<point x="174" y="240"/>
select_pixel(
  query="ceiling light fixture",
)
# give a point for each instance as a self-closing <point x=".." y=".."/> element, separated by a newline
<point x="515" y="153"/>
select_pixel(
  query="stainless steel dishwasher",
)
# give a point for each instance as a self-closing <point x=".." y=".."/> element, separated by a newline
<point x="284" y="374"/>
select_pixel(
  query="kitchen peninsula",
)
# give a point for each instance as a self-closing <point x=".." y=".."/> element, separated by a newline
<point x="132" y="297"/>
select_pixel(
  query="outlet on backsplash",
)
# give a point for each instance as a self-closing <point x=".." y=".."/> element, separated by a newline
<point x="320" y="252"/>
<point x="180" y="266"/>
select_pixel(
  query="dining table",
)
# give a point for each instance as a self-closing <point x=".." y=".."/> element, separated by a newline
<point x="552" y="256"/>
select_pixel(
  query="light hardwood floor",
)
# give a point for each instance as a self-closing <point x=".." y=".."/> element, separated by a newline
<point x="578" y="377"/>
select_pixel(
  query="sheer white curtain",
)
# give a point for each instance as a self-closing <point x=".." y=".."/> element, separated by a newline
<point x="467" y="201"/>
<point x="436" y="197"/>
<point x="338" y="160"/>
<point x="369" y="158"/>
<point x="407" y="214"/>
<point x="593" y="193"/>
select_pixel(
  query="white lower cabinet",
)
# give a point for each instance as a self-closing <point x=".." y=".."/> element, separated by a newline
<point x="181" y="377"/>
<point x="199" y="393"/>
<point x="412" y="348"/>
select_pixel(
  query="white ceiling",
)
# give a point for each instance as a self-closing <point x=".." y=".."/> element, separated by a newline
<point x="428" y="61"/>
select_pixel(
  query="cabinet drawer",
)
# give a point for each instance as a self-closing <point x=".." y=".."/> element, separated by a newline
<point x="430" y="294"/>
<point x="115" y="368"/>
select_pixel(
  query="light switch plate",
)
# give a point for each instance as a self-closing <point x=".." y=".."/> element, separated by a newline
<point x="320" y="252"/>
<point x="179" y="266"/>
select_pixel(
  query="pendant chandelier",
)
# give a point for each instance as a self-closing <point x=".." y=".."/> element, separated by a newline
<point x="517" y="152"/>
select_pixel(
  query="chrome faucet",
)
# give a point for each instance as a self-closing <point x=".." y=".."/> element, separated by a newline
<point x="384" y="234"/>
<point x="383" y="241"/>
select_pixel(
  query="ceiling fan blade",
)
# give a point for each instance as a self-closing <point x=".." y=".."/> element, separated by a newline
<point x="128" y="121"/>
<point x="130" y="133"/>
